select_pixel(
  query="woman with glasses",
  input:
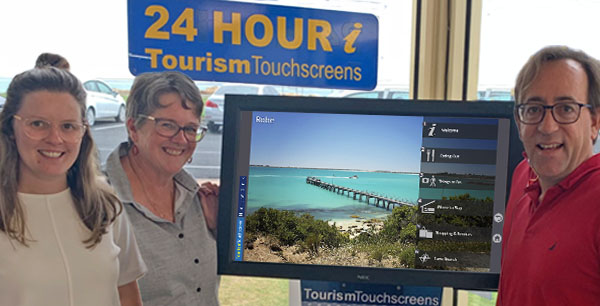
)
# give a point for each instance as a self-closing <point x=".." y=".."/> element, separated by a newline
<point x="174" y="218"/>
<point x="63" y="238"/>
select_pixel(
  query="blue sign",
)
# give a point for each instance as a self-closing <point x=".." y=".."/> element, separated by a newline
<point x="368" y="294"/>
<point x="254" y="43"/>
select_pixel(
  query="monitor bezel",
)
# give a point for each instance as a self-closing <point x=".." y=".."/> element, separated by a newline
<point x="235" y="104"/>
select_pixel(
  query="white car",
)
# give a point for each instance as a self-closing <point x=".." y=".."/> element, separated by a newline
<point x="213" y="112"/>
<point x="377" y="93"/>
<point x="495" y="94"/>
<point x="103" y="102"/>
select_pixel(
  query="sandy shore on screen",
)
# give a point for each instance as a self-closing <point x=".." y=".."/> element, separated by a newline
<point x="355" y="226"/>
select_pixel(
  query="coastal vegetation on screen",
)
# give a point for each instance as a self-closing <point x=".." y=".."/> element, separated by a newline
<point x="396" y="238"/>
<point x="391" y="240"/>
<point x="292" y="229"/>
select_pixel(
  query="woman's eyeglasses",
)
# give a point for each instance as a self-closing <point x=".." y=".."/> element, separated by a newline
<point x="169" y="128"/>
<point x="38" y="128"/>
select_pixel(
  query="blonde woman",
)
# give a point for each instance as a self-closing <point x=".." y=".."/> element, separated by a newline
<point x="63" y="238"/>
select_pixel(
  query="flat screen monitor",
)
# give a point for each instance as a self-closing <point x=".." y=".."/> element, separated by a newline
<point x="361" y="190"/>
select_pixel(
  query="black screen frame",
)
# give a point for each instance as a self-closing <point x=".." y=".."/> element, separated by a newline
<point x="235" y="104"/>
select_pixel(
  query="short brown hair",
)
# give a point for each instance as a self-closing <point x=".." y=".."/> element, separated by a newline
<point x="52" y="60"/>
<point x="553" y="53"/>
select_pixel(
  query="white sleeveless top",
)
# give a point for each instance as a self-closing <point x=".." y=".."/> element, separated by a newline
<point x="57" y="268"/>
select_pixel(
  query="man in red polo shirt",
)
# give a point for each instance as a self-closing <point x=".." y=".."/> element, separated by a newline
<point x="551" y="245"/>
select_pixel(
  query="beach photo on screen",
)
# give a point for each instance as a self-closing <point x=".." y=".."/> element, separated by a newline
<point x="333" y="189"/>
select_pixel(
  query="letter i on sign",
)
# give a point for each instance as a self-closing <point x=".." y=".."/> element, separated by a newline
<point x="351" y="38"/>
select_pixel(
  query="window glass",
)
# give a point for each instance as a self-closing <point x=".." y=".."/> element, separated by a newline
<point x="399" y="95"/>
<point x="512" y="30"/>
<point x="97" y="49"/>
<point x="368" y="94"/>
<point x="395" y="26"/>
<point x="106" y="60"/>
<point x="271" y="91"/>
<point x="104" y="89"/>
<point x="237" y="89"/>
<point x="90" y="86"/>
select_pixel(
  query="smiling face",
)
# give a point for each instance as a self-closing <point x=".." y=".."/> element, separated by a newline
<point x="44" y="163"/>
<point x="555" y="150"/>
<point x="166" y="155"/>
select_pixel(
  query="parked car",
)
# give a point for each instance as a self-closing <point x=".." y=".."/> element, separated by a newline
<point x="103" y="102"/>
<point x="495" y="94"/>
<point x="213" y="112"/>
<point x="378" y="93"/>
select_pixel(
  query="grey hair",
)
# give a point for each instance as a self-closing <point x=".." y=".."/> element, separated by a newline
<point x="148" y="87"/>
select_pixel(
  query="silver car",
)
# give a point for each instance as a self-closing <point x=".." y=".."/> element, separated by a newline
<point x="103" y="102"/>
<point x="213" y="112"/>
<point x="378" y="93"/>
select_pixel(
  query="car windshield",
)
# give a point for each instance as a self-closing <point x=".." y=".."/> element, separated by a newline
<point x="237" y="89"/>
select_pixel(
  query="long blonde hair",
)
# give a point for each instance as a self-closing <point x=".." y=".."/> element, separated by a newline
<point x="95" y="202"/>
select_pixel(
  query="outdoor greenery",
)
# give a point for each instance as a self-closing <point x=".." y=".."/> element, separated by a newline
<point x="253" y="291"/>
<point x="485" y="299"/>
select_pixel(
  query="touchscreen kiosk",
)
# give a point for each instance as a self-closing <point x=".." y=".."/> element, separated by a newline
<point x="380" y="191"/>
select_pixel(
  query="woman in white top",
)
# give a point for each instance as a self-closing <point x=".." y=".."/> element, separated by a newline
<point x="63" y="238"/>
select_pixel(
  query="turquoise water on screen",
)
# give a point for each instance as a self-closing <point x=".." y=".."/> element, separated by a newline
<point x="286" y="188"/>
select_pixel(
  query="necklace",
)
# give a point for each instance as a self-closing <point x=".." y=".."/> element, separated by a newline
<point x="155" y="207"/>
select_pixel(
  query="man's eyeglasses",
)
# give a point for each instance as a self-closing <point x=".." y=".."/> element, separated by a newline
<point x="562" y="112"/>
<point x="38" y="128"/>
<point x="169" y="128"/>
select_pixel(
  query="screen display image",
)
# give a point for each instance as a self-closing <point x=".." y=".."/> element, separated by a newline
<point x="417" y="192"/>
